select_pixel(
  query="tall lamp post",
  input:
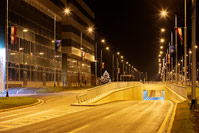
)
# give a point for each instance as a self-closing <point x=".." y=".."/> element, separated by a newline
<point x="185" y="41"/>
<point x="193" y="44"/>
<point x="164" y="13"/>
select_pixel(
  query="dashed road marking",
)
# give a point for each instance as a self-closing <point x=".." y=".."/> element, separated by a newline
<point x="79" y="128"/>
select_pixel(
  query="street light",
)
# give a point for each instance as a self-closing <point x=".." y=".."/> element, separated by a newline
<point x="162" y="40"/>
<point x="164" y="13"/>
<point x="161" y="47"/>
<point x="107" y="48"/>
<point x="90" y="29"/>
<point x="118" y="53"/>
<point x="25" y="30"/>
<point x="67" y="11"/>
<point x="162" y="30"/>
<point x="103" y="41"/>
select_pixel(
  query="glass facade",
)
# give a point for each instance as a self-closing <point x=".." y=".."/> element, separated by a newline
<point x="78" y="72"/>
<point x="32" y="57"/>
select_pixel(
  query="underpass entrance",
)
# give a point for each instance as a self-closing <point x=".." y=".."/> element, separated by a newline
<point x="153" y="95"/>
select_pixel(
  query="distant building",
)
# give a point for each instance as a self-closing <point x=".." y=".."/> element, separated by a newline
<point x="31" y="59"/>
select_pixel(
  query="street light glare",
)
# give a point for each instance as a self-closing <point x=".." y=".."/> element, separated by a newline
<point x="122" y="57"/>
<point x="118" y="53"/>
<point x="162" y="30"/>
<point x="90" y="29"/>
<point x="107" y="48"/>
<point x="161" y="47"/>
<point x="163" y="13"/>
<point x="162" y="40"/>
<point x="67" y="11"/>
<point x="25" y="30"/>
<point x="103" y="41"/>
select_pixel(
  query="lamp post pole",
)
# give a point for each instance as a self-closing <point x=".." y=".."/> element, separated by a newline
<point x="193" y="44"/>
<point x="96" y="63"/>
<point x="101" y="63"/>
<point x="185" y="41"/>
<point x="54" y="51"/>
<point x="176" y="46"/>
<point x="7" y="95"/>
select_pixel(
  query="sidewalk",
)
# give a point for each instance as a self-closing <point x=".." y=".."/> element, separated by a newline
<point x="185" y="121"/>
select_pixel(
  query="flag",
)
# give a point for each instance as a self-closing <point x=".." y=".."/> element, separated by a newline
<point x="57" y="44"/>
<point x="83" y="55"/>
<point x="179" y="31"/>
<point x="172" y="50"/>
<point x="12" y="35"/>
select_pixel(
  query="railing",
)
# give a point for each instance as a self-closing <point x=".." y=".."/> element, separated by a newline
<point x="103" y="89"/>
<point x="182" y="90"/>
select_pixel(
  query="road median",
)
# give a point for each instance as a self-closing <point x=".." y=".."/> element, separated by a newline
<point x="11" y="103"/>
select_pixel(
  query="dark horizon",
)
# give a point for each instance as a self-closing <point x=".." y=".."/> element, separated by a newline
<point x="133" y="28"/>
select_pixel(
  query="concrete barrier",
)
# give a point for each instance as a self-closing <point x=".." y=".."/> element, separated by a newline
<point x="181" y="90"/>
<point x="100" y="91"/>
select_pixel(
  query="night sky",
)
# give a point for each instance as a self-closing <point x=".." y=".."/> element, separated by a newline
<point x="133" y="28"/>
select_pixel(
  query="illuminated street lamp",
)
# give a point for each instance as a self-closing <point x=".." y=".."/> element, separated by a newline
<point x="118" y="53"/>
<point x="161" y="52"/>
<point x="103" y="41"/>
<point x="162" y="30"/>
<point x="162" y="40"/>
<point x="161" y="47"/>
<point x="67" y="11"/>
<point x="25" y="30"/>
<point x="107" y="48"/>
<point x="163" y="13"/>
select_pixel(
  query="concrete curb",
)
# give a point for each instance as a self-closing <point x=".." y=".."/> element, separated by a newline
<point x="172" y="119"/>
<point x="39" y="101"/>
<point x="163" y="125"/>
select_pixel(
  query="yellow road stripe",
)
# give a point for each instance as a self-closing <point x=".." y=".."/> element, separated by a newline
<point x="165" y="120"/>
<point x="172" y="119"/>
<point x="79" y="129"/>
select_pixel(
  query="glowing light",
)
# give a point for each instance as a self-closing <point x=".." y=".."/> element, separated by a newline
<point x="118" y="53"/>
<point x="127" y="62"/>
<point x="107" y="48"/>
<point x="90" y="29"/>
<point x="103" y="41"/>
<point x="25" y="30"/>
<point x="162" y="40"/>
<point x="190" y="52"/>
<point x="163" y="13"/>
<point x="41" y="53"/>
<point x="122" y="57"/>
<point x="162" y="30"/>
<point x="161" y="47"/>
<point x="67" y="11"/>
<point x="196" y="46"/>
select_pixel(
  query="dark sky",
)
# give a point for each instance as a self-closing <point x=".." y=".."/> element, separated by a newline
<point x="133" y="28"/>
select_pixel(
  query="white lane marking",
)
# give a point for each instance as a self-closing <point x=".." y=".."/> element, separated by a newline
<point x="20" y="90"/>
<point x="108" y="116"/>
<point x="79" y="128"/>
<point x="26" y="116"/>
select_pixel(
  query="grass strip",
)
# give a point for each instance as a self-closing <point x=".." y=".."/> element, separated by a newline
<point x="10" y="102"/>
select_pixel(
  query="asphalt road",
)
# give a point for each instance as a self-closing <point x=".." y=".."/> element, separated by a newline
<point x="56" y="115"/>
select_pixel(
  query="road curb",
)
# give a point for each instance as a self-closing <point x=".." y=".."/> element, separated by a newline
<point x="39" y="101"/>
<point x="163" y="125"/>
<point x="172" y="118"/>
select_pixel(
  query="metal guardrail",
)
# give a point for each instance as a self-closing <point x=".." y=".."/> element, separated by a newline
<point x="182" y="90"/>
<point x="102" y="89"/>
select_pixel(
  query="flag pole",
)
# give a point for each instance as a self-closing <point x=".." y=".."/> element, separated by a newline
<point x="7" y="95"/>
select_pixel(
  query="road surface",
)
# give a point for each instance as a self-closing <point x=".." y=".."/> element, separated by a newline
<point x="56" y="115"/>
